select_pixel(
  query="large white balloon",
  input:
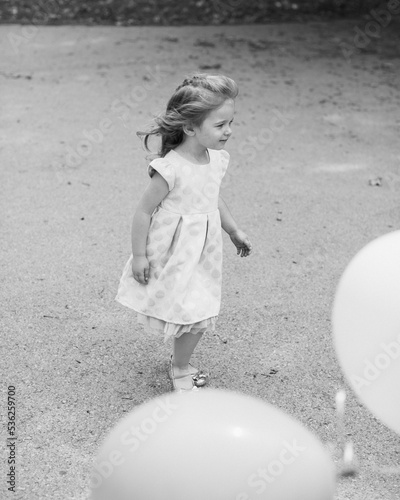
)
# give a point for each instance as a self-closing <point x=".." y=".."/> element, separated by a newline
<point x="211" y="445"/>
<point x="366" y="327"/>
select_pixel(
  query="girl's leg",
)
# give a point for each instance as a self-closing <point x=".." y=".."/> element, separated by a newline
<point x="183" y="348"/>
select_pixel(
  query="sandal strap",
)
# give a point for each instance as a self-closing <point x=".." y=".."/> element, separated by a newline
<point x="174" y="379"/>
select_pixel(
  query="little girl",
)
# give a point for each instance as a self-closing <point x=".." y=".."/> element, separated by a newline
<point x="173" y="277"/>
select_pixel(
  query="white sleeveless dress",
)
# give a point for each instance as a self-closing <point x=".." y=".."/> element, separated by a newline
<point x="184" y="248"/>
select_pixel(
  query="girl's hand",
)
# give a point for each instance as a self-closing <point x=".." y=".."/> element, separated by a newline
<point x="241" y="242"/>
<point x="141" y="269"/>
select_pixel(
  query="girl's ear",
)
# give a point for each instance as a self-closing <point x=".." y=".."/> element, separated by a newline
<point x="188" y="129"/>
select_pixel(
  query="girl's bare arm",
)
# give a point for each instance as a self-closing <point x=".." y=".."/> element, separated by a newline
<point x="227" y="221"/>
<point x="238" y="237"/>
<point x="155" y="192"/>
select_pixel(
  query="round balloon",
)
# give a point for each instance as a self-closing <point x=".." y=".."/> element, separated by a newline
<point x="366" y="327"/>
<point x="211" y="445"/>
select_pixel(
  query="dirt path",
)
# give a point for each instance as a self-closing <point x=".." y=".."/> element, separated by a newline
<point x="316" y="121"/>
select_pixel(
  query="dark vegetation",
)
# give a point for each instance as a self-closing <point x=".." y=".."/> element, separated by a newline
<point x="178" y="12"/>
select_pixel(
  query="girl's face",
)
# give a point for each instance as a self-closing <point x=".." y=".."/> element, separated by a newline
<point x="216" y="128"/>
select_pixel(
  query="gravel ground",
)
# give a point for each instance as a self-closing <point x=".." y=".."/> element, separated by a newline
<point x="310" y="196"/>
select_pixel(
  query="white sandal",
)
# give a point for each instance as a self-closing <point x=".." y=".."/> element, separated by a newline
<point x="181" y="383"/>
<point x="199" y="377"/>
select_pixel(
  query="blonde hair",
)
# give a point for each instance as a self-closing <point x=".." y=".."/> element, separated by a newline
<point x="191" y="102"/>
